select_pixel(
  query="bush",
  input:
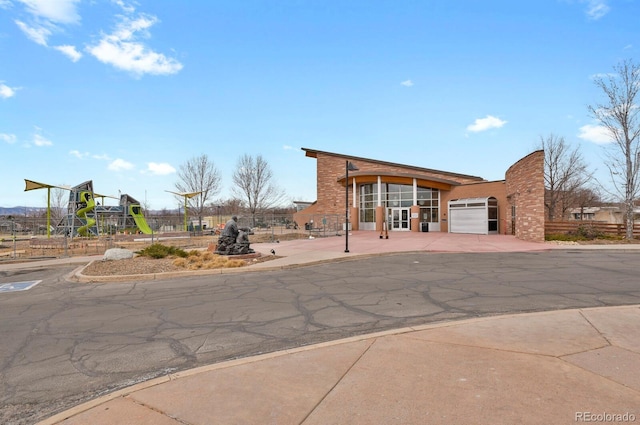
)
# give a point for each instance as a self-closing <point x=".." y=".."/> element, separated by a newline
<point x="162" y="251"/>
<point x="564" y="237"/>
<point x="588" y="232"/>
<point x="582" y="233"/>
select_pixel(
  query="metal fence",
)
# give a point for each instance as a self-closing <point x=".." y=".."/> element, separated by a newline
<point x="309" y="224"/>
<point x="323" y="224"/>
<point x="26" y="237"/>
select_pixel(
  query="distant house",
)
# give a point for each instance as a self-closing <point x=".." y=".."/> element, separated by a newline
<point x="300" y="205"/>
<point x="605" y="214"/>
<point x="9" y="226"/>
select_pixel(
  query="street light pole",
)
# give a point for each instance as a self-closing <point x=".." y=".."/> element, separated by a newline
<point x="348" y="167"/>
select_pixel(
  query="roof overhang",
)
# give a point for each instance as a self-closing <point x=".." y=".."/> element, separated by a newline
<point x="313" y="153"/>
<point x="399" y="178"/>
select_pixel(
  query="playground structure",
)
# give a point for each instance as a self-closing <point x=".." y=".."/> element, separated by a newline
<point x="86" y="216"/>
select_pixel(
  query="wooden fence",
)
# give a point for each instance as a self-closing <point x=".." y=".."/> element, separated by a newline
<point x="566" y="227"/>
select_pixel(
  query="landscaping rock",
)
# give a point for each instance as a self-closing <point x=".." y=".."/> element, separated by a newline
<point x="117" y="254"/>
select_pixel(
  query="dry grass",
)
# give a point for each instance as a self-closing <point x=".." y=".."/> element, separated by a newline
<point x="198" y="260"/>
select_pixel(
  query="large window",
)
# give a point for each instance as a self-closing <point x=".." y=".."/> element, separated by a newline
<point x="398" y="196"/>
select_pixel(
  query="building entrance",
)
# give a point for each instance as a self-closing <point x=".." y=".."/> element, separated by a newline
<point x="399" y="219"/>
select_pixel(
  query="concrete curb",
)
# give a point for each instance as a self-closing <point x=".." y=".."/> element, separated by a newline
<point x="78" y="276"/>
<point x="52" y="420"/>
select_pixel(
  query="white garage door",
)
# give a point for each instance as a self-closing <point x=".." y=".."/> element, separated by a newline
<point x="468" y="220"/>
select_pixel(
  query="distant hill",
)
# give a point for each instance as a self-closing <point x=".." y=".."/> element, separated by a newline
<point x="30" y="211"/>
<point x="5" y="211"/>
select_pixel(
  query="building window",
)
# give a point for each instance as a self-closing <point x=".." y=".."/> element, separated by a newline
<point x="399" y="196"/>
<point x="584" y="216"/>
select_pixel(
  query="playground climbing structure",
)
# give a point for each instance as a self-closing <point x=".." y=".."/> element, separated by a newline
<point x="87" y="217"/>
<point x="130" y="216"/>
<point x="80" y="219"/>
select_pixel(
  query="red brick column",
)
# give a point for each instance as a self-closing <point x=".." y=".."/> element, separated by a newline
<point x="415" y="222"/>
<point x="354" y="218"/>
<point x="380" y="219"/>
<point x="525" y="191"/>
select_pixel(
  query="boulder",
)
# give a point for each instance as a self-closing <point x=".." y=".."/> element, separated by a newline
<point x="117" y="254"/>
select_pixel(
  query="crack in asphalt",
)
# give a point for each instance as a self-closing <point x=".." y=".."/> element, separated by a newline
<point x="66" y="343"/>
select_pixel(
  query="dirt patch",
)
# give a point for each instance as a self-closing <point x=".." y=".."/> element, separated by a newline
<point x="147" y="265"/>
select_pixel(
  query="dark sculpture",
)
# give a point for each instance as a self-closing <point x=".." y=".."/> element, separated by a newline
<point x="234" y="240"/>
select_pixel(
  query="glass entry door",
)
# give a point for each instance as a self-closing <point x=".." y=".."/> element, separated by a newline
<point x="399" y="219"/>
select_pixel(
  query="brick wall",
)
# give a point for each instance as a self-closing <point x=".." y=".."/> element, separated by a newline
<point x="525" y="191"/>
<point x="523" y="187"/>
<point x="331" y="193"/>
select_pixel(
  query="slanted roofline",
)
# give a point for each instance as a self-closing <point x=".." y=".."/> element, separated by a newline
<point x="313" y="153"/>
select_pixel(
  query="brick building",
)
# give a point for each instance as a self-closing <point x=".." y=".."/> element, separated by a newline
<point x="409" y="198"/>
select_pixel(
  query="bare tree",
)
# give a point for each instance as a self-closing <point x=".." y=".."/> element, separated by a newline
<point x="253" y="183"/>
<point x="198" y="175"/>
<point x="59" y="203"/>
<point x="619" y="116"/>
<point x="565" y="175"/>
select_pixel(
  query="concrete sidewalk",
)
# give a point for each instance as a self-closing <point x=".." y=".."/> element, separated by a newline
<point x="544" y="368"/>
<point x="365" y="244"/>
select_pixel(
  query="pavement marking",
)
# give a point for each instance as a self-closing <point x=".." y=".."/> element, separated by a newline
<point x="18" y="286"/>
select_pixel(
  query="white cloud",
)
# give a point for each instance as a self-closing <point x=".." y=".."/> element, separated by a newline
<point x="160" y="169"/>
<point x="37" y="34"/>
<point x="59" y="11"/>
<point x="407" y="83"/>
<point x="85" y="155"/>
<point x="596" y="9"/>
<point x="119" y="165"/>
<point x="8" y="138"/>
<point x="487" y="123"/>
<point x="287" y="147"/>
<point x="46" y="15"/>
<point x="78" y="154"/>
<point x="41" y="141"/>
<point x="125" y="7"/>
<point x="123" y="50"/>
<point x="6" y="91"/>
<point x="595" y="133"/>
<point x="5" y="4"/>
<point x="70" y="51"/>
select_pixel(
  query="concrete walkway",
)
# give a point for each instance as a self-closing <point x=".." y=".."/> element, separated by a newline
<point x="557" y="367"/>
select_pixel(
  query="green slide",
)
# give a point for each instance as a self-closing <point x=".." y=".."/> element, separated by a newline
<point x="82" y="213"/>
<point x="134" y="210"/>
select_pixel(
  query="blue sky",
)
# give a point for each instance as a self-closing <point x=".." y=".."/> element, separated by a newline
<point x="124" y="92"/>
